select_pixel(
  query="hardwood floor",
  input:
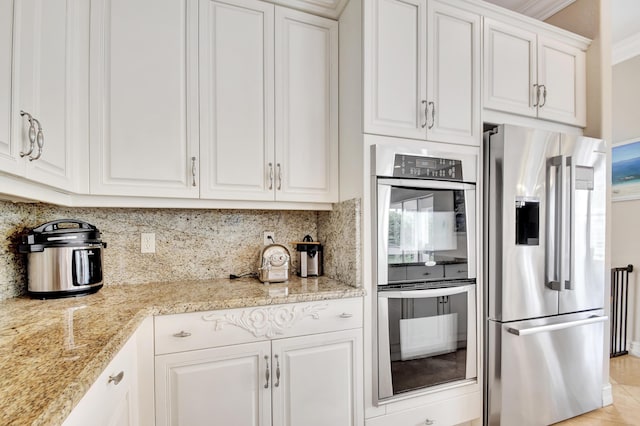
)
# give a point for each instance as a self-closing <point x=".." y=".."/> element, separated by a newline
<point x="625" y="380"/>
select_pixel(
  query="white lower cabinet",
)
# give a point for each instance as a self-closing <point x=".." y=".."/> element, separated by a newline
<point x="121" y="395"/>
<point x="319" y="379"/>
<point x="451" y="411"/>
<point x="272" y="379"/>
<point x="227" y="384"/>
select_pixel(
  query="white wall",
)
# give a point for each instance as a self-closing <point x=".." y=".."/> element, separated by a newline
<point x="625" y="232"/>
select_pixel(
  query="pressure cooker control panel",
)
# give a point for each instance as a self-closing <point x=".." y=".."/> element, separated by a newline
<point x="411" y="166"/>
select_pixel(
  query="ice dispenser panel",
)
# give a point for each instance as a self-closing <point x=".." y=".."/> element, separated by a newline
<point x="527" y="222"/>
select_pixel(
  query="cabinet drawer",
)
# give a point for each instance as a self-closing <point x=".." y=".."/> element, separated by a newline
<point x="198" y="330"/>
<point x="421" y="272"/>
<point x="452" y="411"/>
<point x="457" y="270"/>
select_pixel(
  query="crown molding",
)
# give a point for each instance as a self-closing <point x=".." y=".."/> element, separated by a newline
<point x="543" y="9"/>
<point x="625" y="49"/>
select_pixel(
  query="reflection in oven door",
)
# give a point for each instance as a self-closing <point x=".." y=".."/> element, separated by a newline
<point x="426" y="338"/>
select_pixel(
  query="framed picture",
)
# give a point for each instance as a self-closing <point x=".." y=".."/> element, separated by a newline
<point x="625" y="170"/>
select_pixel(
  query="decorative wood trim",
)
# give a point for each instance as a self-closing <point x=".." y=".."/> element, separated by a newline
<point x="269" y="321"/>
<point x="625" y="49"/>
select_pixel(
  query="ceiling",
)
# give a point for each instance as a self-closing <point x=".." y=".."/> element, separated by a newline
<point x="539" y="9"/>
<point x="625" y="21"/>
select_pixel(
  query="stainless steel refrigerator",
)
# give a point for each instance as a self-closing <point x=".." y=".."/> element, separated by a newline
<point x="544" y="275"/>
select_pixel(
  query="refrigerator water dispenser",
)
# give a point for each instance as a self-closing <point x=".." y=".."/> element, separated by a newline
<point x="527" y="222"/>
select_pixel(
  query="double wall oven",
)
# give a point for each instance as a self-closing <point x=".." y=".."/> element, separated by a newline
<point x="424" y="232"/>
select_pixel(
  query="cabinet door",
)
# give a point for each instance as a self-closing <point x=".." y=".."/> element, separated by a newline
<point x="113" y="398"/>
<point x="509" y="68"/>
<point x="144" y="135"/>
<point x="395" y="88"/>
<point x="562" y="73"/>
<point x="453" y="75"/>
<point x="223" y="385"/>
<point x="319" y="381"/>
<point x="9" y="156"/>
<point x="306" y="69"/>
<point x="51" y="72"/>
<point x="236" y="100"/>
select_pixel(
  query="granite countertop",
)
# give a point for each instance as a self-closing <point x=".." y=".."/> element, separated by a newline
<point x="51" y="351"/>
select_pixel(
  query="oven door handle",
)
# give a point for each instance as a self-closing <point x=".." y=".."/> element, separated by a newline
<point x="418" y="294"/>
<point x="426" y="183"/>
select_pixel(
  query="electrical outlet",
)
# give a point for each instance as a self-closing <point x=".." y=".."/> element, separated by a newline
<point x="268" y="237"/>
<point x="147" y="242"/>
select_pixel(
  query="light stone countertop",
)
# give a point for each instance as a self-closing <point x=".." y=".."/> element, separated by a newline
<point x="51" y="351"/>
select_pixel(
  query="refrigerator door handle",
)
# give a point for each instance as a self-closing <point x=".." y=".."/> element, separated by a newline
<point x="426" y="293"/>
<point x="553" y="327"/>
<point x="568" y="283"/>
<point x="555" y="241"/>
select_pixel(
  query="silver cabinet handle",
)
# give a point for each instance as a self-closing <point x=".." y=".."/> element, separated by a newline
<point x="117" y="378"/>
<point x="544" y="95"/>
<point x="266" y="374"/>
<point x="429" y="422"/>
<point x="536" y="92"/>
<point x="432" y="105"/>
<point x="193" y="171"/>
<point x="32" y="134"/>
<point x="182" y="334"/>
<point x="346" y="315"/>
<point x="270" y="175"/>
<point x="426" y="113"/>
<point x="279" y="177"/>
<point x="277" y="383"/>
<point x="39" y="140"/>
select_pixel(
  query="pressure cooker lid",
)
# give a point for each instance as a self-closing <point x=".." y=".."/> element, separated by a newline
<point x="60" y="233"/>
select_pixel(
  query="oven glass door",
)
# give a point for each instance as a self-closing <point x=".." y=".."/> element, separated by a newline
<point x="426" y="232"/>
<point x="426" y="338"/>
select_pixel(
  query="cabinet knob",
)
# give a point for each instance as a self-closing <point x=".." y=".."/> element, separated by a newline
<point x="346" y="315"/>
<point x="182" y="334"/>
<point x="117" y="378"/>
<point x="429" y="422"/>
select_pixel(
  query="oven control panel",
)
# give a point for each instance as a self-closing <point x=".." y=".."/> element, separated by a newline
<point x="410" y="166"/>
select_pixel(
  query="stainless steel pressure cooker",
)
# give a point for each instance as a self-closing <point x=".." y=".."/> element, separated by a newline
<point x="64" y="258"/>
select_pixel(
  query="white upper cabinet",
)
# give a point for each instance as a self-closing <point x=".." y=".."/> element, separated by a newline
<point x="395" y="55"/>
<point x="144" y="134"/>
<point x="422" y="71"/>
<point x="530" y="74"/>
<point x="237" y="99"/>
<point x="268" y="103"/>
<point x="562" y="75"/>
<point x="510" y="65"/>
<point x="453" y="75"/>
<point x="306" y="122"/>
<point x="9" y="157"/>
<point x="44" y="75"/>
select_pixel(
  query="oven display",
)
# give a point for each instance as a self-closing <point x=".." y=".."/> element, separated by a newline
<point x="427" y="167"/>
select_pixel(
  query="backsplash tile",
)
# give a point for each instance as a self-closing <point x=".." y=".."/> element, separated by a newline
<point x="339" y="232"/>
<point x="190" y="244"/>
